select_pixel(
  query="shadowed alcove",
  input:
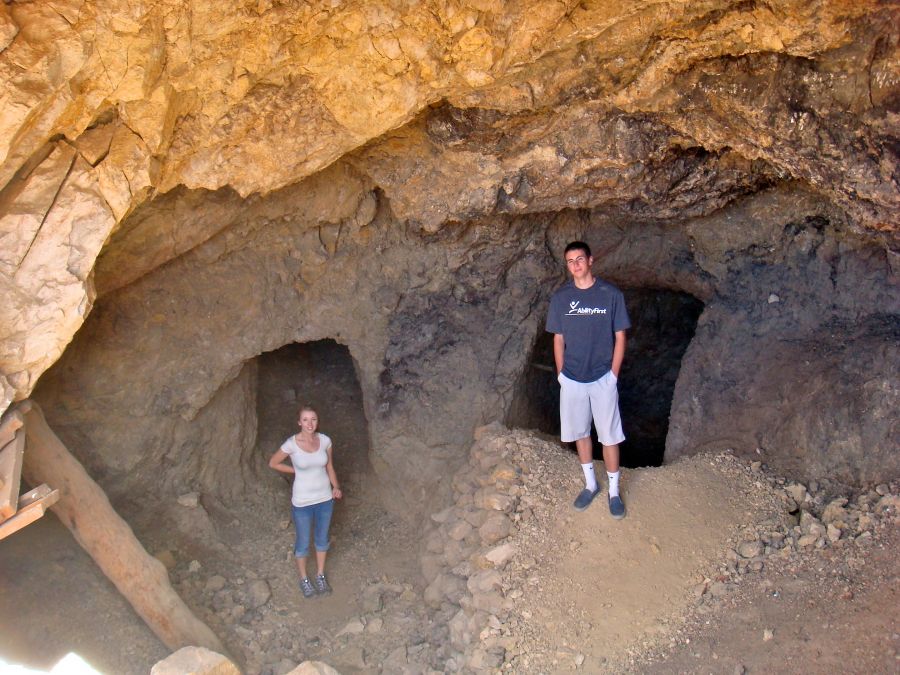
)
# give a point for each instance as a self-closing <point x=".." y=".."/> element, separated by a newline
<point x="320" y="374"/>
<point x="662" y="326"/>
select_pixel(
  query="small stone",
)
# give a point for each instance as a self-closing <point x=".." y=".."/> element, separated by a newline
<point x="484" y="581"/>
<point x="353" y="627"/>
<point x="493" y="501"/>
<point x="500" y="555"/>
<point x="194" y="566"/>
<point x="215" y="583"/>
<point x="807" y="540"/>
<point x="442" y="516"/>
<point x="773" y="298"/>
<point x="459" y="530"/>
<point x="866" y="522"/>
<point x="372" y="600"/>
<point x="496" y="527"/>
<point x="833" y="533"/>
<point x="750" y="549"/>
<point x="768" y="634"/>
<point x="189" y="499"/>
<point x="579" y="660"/>
<point x="374" y="625"/>
<point x="797" y="492"/>
<point x="808" y="521"/>
<point x="259" y="593"/>
<point x="835" y="511"/>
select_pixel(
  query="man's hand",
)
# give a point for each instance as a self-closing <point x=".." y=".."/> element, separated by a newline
<point x="618" y="353"/>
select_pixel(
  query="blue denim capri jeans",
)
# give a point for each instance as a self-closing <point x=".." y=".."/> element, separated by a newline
<point x="304" y="517"/>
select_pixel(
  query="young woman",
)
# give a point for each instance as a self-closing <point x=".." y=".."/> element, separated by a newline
<point x="315" y="489"/>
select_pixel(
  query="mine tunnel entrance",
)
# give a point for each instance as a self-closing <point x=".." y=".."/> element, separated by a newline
<point x="321" y="374"/>
<point x="662" y="325"/>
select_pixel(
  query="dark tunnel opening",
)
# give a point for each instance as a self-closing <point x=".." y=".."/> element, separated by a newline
<point x="321" y="374"/>
<point x="662" y="326"/>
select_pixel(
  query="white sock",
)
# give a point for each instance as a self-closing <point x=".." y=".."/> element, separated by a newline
<point x="590" y="480"/>
<point x="613" y="483"/>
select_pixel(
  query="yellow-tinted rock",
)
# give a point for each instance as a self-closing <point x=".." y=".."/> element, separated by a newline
<point x="195" y="661"/>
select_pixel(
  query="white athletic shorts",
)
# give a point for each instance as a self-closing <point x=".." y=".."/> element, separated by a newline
<point x="579" y="401"/>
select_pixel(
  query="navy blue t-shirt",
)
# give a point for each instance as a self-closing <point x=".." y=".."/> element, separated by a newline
<point x="588" y="320"/>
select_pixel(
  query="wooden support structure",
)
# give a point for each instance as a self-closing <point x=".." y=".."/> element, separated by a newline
<point x="12" y="448"/>
<point x="32" y="505"/>
<point x="84" y="508"/>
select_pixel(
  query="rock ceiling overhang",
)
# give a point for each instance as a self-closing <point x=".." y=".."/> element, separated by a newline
<point x="106" y="106"/>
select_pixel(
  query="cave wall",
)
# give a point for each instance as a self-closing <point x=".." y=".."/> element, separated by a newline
<point x="441" y="327"/>
<point x="401" y="178"/>
<point x="437" y="325"/>
<point x="798" y="356"/>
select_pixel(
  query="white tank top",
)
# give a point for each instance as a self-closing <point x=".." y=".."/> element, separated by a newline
<point x="311" y="483"/>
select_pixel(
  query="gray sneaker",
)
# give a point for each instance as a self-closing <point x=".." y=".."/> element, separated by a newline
<point x="616" y="508"/>
<point x="584" y="498"/>
<point x="321" y="584"/>
<point x="307" y="588"/>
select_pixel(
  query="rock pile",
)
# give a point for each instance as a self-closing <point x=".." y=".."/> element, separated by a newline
<point x="473" y="560"/>
<point x="818" y="516"/>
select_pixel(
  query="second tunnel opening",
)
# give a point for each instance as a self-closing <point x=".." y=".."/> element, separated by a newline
<point x="662" y="326"/>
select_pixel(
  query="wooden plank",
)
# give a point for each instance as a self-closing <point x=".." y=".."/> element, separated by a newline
<point x="84" y="508"/>
<point x="11" y="475"/>
<point x="35" y="504"/>
<point x="11" y="422"/>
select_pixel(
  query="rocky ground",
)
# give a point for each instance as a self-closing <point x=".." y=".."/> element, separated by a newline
<point x="719" y="567"/>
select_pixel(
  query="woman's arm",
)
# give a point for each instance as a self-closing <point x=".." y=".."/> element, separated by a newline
<point x="277" y="462"/>
<point x="332" y="476"/>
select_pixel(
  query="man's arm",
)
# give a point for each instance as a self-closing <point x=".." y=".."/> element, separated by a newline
<point x="559" y="348"/>
<point x="618" y="352"/>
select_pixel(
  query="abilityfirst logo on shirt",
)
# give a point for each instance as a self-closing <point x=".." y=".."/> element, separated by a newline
<point x="575" y="310"/>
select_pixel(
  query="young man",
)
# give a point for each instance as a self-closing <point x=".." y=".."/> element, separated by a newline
<point x="588" y="319"/>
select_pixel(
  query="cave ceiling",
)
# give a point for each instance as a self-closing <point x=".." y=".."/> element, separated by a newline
<point x="131" y="132"/>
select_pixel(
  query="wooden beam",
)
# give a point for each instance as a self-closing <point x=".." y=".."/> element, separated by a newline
<point x="11" y="475"/>
<point x="32" y="505"/>
<point x="84" y="508"/>
<point x="10" y="423"/>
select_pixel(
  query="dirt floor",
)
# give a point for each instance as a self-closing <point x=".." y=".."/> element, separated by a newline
<point x="661" y="591"/>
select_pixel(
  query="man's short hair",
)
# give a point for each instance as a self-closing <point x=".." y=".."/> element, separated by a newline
<point x="578" y="246"/>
